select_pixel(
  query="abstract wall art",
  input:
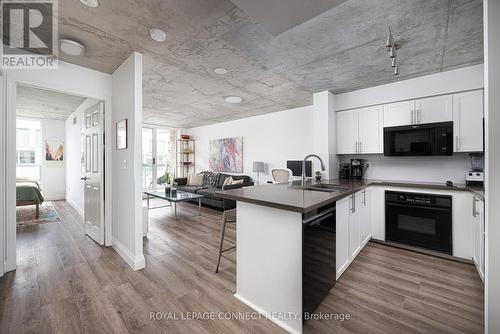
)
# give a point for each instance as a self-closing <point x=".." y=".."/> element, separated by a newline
<point x="54" y="150"/>
<point x="226" y="155"/>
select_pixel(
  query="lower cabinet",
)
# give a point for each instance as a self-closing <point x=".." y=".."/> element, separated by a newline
<point x="353" y="228"/>
<point x="478" y="234"/>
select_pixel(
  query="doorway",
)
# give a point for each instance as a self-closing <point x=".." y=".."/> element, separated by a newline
<point x="51" y="159"/>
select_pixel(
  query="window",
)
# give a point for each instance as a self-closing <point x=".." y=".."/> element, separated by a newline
<point x="28" y="149"/>
<point x="158" y="156"/>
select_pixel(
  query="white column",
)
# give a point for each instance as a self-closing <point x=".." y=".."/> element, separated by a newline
<point x="324" y="132"/>
<point x="492" y="163"/>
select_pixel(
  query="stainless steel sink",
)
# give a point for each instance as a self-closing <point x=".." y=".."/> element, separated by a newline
<point x="329" y="188"/>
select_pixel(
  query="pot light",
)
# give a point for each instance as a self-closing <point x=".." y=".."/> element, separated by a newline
<point x="233" y="99"/>
<point x="90" y="3"/>
<point x="71" y="48"/>
<point x="220" y="70"/>
<point x="157" y="34"/>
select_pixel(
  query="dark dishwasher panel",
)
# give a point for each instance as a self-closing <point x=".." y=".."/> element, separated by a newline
<point x="318" y="259"/>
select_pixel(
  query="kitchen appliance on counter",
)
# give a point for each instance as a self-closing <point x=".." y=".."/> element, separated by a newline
<point x="357" y="168"/>
<point x="421" y="220"/>
<point x="318" y="257"/>
<point x="344" y="171"/>
<point x="419" y="140"/>
<point x="475" y="177"/>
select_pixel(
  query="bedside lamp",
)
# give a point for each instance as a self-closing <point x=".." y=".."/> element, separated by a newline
<point x="258" y="167"/>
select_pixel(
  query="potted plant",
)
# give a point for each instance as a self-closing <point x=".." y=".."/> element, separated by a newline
<point x="317" y="175"/>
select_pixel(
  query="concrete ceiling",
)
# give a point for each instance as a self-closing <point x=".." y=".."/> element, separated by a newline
<point x="341" y="49"/>
<point x="41" y="103"/>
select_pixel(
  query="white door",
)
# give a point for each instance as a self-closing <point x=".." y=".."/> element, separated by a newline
<point x="354" y="236"/>
<point x="93" y="172"/>
<point x="370" y="129"/>
<point x="399" y="113"/>
<point x="347" y="132"/>
<point x="342" y="235"/>
<point x="468" y="121"/>
<point x="434" y="109"/>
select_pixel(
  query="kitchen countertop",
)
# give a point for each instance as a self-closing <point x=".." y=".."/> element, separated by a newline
<point x="290" y="196"/>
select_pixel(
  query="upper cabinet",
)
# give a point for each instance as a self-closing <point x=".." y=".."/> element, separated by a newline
<point x="399" y="113"/>
<point x="468" y="121"/>
<point x="433" y="109"/>
<point x="359" y="131"/>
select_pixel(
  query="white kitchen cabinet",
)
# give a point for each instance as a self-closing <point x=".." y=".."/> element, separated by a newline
<point x="478" y="234"/>
<point x="365" y="216"/>
<point x="354" y="226"/>
<point x="434" y="109"/>
<point x="399" y="113"/>
<point x="468" y="121"/>
<point x="370" y="130"/>
<point x="342" y="235"/>
<point x="360" y="131"/>
<point x="347" y="132"/>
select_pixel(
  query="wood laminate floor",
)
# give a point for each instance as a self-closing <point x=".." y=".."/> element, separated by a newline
<point x="65" y="283"/>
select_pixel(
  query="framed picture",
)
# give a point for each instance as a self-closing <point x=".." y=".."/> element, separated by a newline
<point x="226" y="155"/>
<point x="121" y="135"/>
<point x="54" y="151"/>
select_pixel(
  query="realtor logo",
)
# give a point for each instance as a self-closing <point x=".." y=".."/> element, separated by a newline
<point x="29" y="34"/>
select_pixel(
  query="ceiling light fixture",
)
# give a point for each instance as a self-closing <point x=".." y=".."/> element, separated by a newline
<point x="391" y="46"/>
<point x="220" y="70"/>
<point x="71" y="48"/>
<point x="233" y="99"/>
<point x="90" y="3"/>
<point x="157" y="34"/>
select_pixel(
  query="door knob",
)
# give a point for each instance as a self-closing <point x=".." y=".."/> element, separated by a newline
<point x="84" y="178"/>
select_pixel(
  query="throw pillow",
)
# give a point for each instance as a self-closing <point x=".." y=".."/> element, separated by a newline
<point x="210" y="179"/>
<point x="196" y="180"/>
<point x="228" y="181"/>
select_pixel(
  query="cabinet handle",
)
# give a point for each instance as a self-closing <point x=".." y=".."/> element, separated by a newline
<point x="360" y="147"/>
<point x="412" y="117"/>
<point x="474" y="207"/>
<point x="457" y="142"/>
<point x="364" y="197"/>
<point x="353" y="203"/>
<point x="419" y="115"/>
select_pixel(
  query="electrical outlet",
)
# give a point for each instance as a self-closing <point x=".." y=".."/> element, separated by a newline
<point x="368" y="164"/>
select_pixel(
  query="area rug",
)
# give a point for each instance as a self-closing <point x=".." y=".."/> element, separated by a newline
<point x="26" y="215"/>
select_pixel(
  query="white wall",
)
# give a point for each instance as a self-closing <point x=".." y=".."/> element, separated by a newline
<point x="492" y="164"/>
<point x="126" y="170"/>
<point x="74" y="186"/>
<point x="273" y="138"/>
<point x="419" y="169"/>
<point x="462" y="79"/>
<point x="52" y="174"/>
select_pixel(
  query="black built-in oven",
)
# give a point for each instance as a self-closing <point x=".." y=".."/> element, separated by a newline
<point x="421" y="220"/>
<point x="419" y="140"/>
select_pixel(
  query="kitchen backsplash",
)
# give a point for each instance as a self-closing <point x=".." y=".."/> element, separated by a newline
<point x="420" y="169"/>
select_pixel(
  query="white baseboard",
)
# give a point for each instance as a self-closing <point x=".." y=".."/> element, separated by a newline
<point x="135" y="262"/>
<point x="261" y="311"/>
<point x="76" y="207"/>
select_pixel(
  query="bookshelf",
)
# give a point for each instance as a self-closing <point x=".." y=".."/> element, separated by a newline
<point x="185" y="156"/>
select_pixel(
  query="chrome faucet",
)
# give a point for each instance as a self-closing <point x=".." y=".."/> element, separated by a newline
<point x="304" y="167"/>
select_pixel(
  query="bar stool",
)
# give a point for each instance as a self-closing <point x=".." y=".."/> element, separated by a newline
<point x="228" y="215"/>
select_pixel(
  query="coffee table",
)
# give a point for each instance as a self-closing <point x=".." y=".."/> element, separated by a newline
<point x="181" y="196"/>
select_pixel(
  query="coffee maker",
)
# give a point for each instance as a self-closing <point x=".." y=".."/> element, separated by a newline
<point x="357" y="166"/>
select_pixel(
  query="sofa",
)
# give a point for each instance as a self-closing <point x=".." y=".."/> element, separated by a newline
<point x="216" y="184"/>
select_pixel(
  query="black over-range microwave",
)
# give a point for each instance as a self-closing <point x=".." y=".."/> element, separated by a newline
<point x="419" y="139"/>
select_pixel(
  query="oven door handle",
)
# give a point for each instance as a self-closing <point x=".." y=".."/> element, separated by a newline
<point x="419" y="207"/>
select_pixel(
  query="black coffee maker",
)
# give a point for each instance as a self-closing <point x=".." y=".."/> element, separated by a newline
<point x="357" y="166"/>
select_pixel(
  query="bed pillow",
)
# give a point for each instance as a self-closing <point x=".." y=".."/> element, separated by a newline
<point x="195" y="180"/>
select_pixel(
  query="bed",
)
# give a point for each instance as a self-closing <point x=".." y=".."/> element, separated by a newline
<point x="28" y="192"/>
